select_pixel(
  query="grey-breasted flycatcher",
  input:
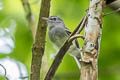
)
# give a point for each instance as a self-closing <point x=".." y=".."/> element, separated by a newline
<point x="59" y="33"/>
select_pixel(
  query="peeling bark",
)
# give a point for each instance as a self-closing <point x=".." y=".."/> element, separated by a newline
<point x="90" y="50"/>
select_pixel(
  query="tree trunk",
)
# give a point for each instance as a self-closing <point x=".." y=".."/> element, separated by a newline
<point x="91" y="47"/>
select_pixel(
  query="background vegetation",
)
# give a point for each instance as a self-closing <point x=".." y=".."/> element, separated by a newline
<point x="16" y="40"/>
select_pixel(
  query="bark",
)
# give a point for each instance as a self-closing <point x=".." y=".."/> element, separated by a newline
<point x="39" y="44"/>
<point x="91" y="47"/>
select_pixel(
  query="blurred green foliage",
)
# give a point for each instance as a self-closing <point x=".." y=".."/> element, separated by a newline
<point x="71" y="11"/>
<point x="2" y="78"/>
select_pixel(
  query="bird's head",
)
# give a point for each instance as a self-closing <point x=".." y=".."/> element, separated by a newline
<point x="53" y="21"/>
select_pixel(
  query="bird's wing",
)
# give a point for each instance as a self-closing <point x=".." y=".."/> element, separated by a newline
<point x="76" y="41"/>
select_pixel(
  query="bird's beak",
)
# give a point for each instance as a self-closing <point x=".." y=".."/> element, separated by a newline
<point x="45" y="19"/>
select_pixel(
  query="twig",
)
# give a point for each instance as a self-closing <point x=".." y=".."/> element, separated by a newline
<point x="109" y="1"/>
<point x="24" y="77"/>
<point x="27" y="8"/>
<point x="83" y="23"/>
<point x="29" y="16"/>
<point x="117" y="10"/>
<point x="76" y="36"/>
<point x="61" y="53"/>
<point x="5" y="71"/>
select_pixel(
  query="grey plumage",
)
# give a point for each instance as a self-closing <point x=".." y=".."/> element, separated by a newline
<point x="58" y="34"/>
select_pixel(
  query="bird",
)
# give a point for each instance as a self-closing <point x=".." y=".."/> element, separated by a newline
<point x="59" y="33"/>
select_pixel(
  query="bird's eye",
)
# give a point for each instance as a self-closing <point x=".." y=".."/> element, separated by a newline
<point x="54" y="19"/>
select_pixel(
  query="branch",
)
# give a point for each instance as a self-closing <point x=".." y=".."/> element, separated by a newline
<point x="24" y="77"/>
<point x="82" y="23"/>
<point x="5" y="75"/>
<point x="39" y="45"/>
<point x="76" y="36"/>
<point x="90" y="49"/>
<point x="30" y="17"/>
<point x="115" y="5"/>
<point x="109" y="1"/>
<point x="62" y="51"/>
<point x="114" y="11"/>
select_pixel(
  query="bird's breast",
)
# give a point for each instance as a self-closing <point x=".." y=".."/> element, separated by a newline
<point x="58" y="36"/>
